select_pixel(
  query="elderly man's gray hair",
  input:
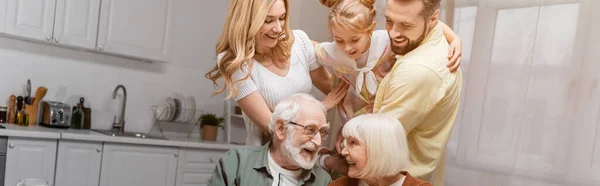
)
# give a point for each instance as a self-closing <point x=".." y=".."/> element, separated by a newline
<point x="288" y="108"/>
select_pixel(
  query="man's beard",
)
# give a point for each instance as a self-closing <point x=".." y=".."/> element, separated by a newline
<point x="412" y="45"/>
<point x="293" y="153"/>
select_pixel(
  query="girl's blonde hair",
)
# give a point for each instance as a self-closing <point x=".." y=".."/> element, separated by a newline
<point x="238" y="41"/>
<point x="357" y="15"/>
<point x="385" y="139"/>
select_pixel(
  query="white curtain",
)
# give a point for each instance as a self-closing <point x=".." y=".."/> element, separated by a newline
<point x="530" y="105"/>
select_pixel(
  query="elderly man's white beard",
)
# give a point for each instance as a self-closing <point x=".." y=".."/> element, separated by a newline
<point x="293" y="153"/>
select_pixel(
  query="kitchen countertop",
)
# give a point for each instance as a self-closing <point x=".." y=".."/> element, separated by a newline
<point x="173" y="139"/>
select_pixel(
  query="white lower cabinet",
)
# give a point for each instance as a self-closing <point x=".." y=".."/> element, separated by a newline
<point x="78" y="163"/>
<point x="124" y="165"/>
<point x="30" y="158"/>
<point x="196" y="166"/>
<point x="94" y="163"/>
<point x="190" y="177"/>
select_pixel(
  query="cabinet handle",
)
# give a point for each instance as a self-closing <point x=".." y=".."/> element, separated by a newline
<point x="11" y="145"/>
<point x="48" y="38"/>
<point x="57" y="39"/>
<point x="100" y="47"/>
<point x="98" y="150"/>
<point x="175" y="154"/>
<point x="211" y="160"/>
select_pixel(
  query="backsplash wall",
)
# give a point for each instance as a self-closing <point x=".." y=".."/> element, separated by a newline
<point x="69" y="74"/>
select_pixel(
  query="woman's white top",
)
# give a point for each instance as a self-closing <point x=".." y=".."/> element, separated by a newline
<point x="273" y="87"/>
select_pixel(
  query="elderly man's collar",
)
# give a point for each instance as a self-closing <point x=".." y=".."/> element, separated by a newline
<point x="262" y="164"/>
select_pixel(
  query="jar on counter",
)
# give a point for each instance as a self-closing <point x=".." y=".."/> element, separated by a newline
<point x="3" y="114"/>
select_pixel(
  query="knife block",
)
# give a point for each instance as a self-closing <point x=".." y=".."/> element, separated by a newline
<point x="32" y="111"/>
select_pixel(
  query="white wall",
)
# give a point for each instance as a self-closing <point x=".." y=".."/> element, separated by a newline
<point x="69" y="74"/>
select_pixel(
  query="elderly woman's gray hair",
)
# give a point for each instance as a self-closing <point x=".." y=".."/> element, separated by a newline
<point x="287" y="109"/>
<point x="385" y="140"/>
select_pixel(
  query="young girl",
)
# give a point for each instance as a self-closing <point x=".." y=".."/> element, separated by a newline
<point x="361" y="56"/>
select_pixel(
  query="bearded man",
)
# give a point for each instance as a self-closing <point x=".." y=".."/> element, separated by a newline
<point x="297" y="127"/>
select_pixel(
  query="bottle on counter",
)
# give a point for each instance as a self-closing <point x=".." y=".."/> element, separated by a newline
<point x="3" y="114"/>
<point x="77" y="118"/>
<point x="22" y="117"/>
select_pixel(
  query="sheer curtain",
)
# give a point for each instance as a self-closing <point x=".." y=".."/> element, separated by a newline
<point x="530" y="103"/>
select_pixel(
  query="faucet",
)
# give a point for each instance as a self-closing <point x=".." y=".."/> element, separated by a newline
<point x="121" y="124"/>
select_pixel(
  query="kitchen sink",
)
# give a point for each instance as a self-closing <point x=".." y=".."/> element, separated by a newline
<point x="128" y="134"/>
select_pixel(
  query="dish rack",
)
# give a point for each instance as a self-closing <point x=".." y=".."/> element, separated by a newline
<point x="189" y="120"/>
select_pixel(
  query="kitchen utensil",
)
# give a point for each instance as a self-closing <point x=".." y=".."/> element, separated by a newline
<point x="11" y="108"/>
<point x="172" y="108"/>
<point x="182" y="109"/>
<point x="192" y="109"/>
<point x="28" y="98"/>
<point x="163" y="110"/>
<point x="87" y="123"/>
<point x="33" y="109"/>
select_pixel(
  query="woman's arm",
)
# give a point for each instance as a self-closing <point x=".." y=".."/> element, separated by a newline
<point x="321" y="79"/>
<point x="255" y="107"/>
<point x="448" y="32"/>
<point x="455" y="49"/>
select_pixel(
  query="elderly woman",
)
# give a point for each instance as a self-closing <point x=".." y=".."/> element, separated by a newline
<point x="377" y="153"/>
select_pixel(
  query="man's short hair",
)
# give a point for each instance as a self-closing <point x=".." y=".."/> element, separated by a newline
<point x="429" y="6"/>
<point x="288" y="108"/>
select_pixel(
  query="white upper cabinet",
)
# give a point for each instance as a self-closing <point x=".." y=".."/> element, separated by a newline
<point x="30" y="18"/>
<point x="3" y="4"/>
<point x="128" y="29"/>
<point x="76" y="22"/>
<point x="121" y="28"/>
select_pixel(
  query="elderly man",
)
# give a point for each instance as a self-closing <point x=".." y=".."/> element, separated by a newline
<point x="297" y="126"/>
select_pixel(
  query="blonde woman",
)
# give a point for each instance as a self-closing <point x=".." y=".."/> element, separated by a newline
<point x="377" y="152"/>
<point x="262" y="62"/>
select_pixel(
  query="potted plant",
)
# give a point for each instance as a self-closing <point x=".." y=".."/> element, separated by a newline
<point x="210" y="124"/>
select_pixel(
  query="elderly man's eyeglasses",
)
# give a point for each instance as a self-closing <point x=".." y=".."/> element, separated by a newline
<point x="311" y="130"/>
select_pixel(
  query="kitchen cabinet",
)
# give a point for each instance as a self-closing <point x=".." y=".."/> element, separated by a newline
<point x="68" y="22"/>
<point x="30" y="19"/>
<point x="78" y="163"/>
<point x="127" y="29"/>
<point x="30" y="158"/>
<point x="124" y="164"/>
<point x="187" y="177"/>
<point x="76" y="23"/>
<point x="3" y="8"/>
<point x="196" y="166"/>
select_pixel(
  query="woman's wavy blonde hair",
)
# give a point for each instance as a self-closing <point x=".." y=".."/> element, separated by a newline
<point x="238" y="41"/>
